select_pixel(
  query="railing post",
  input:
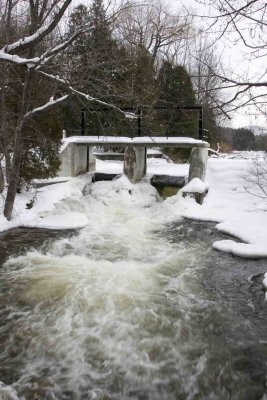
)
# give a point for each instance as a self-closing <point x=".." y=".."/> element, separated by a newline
<point x="206" y="135"/>
<point x="83" y="122"/>
<point x="139" y="121"/>
<point x="200" y="127"/>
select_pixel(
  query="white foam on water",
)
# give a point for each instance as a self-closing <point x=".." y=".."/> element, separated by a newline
<point x="111" y="312"/>
<point x="7" y="392"/>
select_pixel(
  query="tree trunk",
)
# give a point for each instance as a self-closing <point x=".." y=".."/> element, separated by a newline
<point x="14" y="173"/>
<point x="2" y="180"/>
<point x="4" y="131"/>
<point x="18" y="149"/>
<point x="8" y="165"/>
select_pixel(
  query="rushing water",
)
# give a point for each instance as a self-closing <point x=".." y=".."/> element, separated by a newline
<point x="128" y="309"/>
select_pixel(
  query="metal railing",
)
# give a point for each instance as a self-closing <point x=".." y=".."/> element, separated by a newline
<point x="139" y="117"/>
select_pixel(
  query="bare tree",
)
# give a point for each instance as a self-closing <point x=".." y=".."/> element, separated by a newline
<point x="152" y="27"/>
<point x="256" y="178"/>
<point x="202" y="62"/>
<point x="243" y="23"/>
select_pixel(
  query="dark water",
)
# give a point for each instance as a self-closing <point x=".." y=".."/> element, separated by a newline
<point x="238" y="333"/>
<point x="229" y="279"/>
<point x="17" y="241"/>
<point x="193" y="326"/>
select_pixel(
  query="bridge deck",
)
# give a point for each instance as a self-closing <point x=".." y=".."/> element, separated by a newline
<point x="139" y="141"/>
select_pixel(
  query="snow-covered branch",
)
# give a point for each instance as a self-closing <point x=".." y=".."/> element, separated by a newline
<point x="51" y="103"/>
<point x="37" y="62"/>
<point x="87" y="97"/>
<point x="25" y="42"/>
<point x="15" y="59"/>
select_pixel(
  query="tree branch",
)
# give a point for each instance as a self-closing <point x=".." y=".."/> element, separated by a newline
<point x="24" y="43"/>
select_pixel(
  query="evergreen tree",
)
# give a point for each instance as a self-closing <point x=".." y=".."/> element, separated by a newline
<point x="176" y="90"/>
<point x="98" y="66"/>
<point x="100" y="34"/>
<point x="142" y="77"/>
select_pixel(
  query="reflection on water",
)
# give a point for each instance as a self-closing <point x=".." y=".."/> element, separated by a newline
<point x="125" y="310"/>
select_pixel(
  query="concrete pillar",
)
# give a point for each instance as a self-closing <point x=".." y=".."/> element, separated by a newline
<point x="76" y="159"/>
<point x="134" y="166"/>
<point x="90" y="159"/>
<point x="198" y="163"/>
<point x="79" y="159"/>
<point x="66" y="158"/>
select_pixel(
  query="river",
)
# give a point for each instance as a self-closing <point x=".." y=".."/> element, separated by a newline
<point x="129" y="309"/>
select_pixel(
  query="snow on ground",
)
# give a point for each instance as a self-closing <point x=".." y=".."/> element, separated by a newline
<point x="196" y="185"/>
<point x="46" y="212"/>
<point x="237" y="212"/>
<point x="155" y="166"/>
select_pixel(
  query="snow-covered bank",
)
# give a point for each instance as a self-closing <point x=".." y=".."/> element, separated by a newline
<point x="48" y="210"/>
<point x="239" y="213"/>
